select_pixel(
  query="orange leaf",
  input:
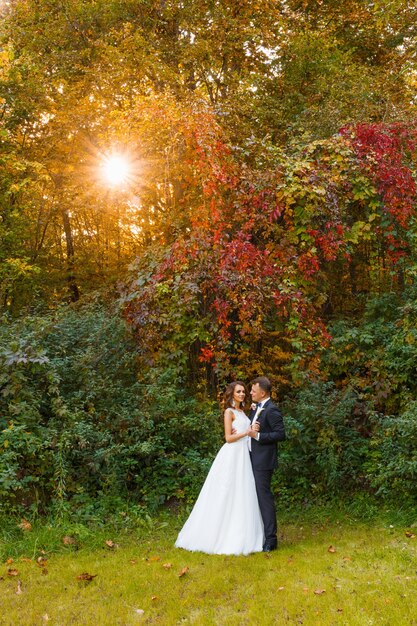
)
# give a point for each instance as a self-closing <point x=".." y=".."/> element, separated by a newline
<point x="331" y="549"/>
<point x="319" y="592"/>
<point x="153" y="598"/>
<point x="110" y="544"/>
<point x="183" y="572"/>
<point x="409" y="534"/>
<point x="9" y="561"/>
<point x="154" y="558"/>
<point x="25" y="525"/>
<point x="68" y="540"/>
<point x="167" y="565"/>
<point x="86" y="576"/>
<point x="12" y="572"/>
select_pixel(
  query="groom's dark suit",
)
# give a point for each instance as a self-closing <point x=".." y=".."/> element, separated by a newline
<point x="264" y="460"/>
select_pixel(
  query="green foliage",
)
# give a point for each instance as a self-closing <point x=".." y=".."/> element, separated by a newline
<point x="76" y="424"/>
<point x="325" y="451"/>
<point x="392" y="463"/>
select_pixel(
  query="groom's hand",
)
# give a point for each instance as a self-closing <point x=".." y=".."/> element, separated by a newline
<point x="256" y="427"/>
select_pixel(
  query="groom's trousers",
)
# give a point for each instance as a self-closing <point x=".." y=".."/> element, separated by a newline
<point x="266" y="503"/>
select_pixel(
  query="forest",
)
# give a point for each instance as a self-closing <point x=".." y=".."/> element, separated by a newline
<point x="193" y="193"/>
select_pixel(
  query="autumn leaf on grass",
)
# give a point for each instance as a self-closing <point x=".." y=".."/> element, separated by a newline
<point x="9" y="561"/>
<point x="331" y="549"/>
<point x="111" y="545"/>
<point x="154" y="558"/>
<point x="409" y="534"/>
<point x="68" y="540"/>
<point x="12" y="572"/>
<point x="167" y="565"/>
<point x="183" y="572"/>
<point x="139" y="611"/>
<point x="19" y="587"/>
<point x="25" y="525"/>
<point x="41" y="561"/>
<point x="86" y="576"/>
<point x="26" y="559"/>
<point x="154" y="598"/>
<point x="319" y="592"/>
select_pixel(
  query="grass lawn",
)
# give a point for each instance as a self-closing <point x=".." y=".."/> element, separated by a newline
<point x="327" y="571"/>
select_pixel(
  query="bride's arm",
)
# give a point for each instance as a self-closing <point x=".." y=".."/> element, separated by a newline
<point x="228" y="419"/>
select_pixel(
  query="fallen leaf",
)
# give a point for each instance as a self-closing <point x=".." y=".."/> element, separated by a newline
<point x="12" y="572"/>
<point x="139" y="611"/>
<point x="19" y="587"/>
<point x="331" y="549"/>
<point x="154" y="558"/>
<point x="281" y="588"/>
<point x="409" y="534"/>
<point x="183" y="572"/>
<point x="167" y="565"/>
<point x="133" y="561"/>
<point x="26" y="559"/>
<point x="44" y="571"/>
<point x="86" y="576"/>
<point x="9" y="561"/>
<point x="154" y="598"/>
<point x="45" y="617"/>
<point x="25" y="525"/>
<point x="340" y="610"/>
<point x="319" y="592"/>
<point x="68" y="540"/>
<point x="41" y="561"/>
<point x="110" y="544"/>
<point x="347" y="558"/>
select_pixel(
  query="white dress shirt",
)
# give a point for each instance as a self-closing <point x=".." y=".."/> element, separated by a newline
<point x="255" y="419"/>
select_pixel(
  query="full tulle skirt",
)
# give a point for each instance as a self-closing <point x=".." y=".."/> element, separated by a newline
<point x="226" y="518"/>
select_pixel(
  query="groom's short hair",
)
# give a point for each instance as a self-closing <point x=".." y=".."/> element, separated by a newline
<point x="263" y="382"/>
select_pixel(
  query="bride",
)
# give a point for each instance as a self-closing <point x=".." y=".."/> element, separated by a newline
<point x="226" y="518"/>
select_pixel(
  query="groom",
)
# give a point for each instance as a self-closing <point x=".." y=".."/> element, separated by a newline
<point x="267" y="429"/>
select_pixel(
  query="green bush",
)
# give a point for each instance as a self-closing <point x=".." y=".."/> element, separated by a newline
<point x="325" y="451"/>
<point x="77" y="426"/>
<point x="392" y="464"/>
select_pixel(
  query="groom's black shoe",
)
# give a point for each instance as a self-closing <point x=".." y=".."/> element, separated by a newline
<point x="269" y="546"/>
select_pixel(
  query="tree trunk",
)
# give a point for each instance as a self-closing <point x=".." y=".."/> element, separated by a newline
<point x="71" y="282"/>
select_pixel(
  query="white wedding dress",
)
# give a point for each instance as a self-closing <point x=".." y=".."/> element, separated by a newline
<point x="226" y="518"/>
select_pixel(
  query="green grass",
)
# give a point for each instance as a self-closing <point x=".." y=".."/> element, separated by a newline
<point x="370" y="578"/>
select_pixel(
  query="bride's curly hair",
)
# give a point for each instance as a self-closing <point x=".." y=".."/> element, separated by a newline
<point x="227" y="402"/>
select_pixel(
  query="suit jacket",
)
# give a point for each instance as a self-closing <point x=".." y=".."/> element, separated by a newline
<point x="264" y="452"/>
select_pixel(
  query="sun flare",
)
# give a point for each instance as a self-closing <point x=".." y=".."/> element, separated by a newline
<point x="116" y="170"/>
